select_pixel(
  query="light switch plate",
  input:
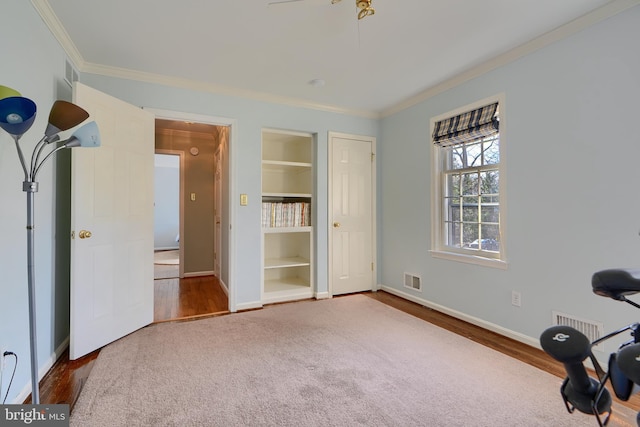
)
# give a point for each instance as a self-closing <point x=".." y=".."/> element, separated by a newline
<point x="244" y="200"/>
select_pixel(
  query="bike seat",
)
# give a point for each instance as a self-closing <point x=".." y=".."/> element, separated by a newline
<point x="616" y="283"/>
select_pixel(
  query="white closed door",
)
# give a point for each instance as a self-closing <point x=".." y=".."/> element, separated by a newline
<point x="112" y="199"/>
<point x="352" y="216"/>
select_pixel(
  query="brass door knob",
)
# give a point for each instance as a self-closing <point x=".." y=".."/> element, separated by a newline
<point x="84" y="234"/>
<point x="336" y="225"/>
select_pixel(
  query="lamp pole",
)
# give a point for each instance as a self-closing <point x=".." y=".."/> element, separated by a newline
<point x="31" y="187"/>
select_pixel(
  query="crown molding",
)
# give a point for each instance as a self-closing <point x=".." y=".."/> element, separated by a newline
<point x="613" y="8"/>
<point x="160" y="79"/>
<point x="55" y="26"/>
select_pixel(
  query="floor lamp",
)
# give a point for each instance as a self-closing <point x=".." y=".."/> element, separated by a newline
<point x="17" y="114"/>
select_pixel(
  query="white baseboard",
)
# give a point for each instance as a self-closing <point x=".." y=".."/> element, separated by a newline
<point x="199" y="273"/>
<point x="322" y="295"/>
<point x="44" y="369"/>
<point x="249" y="305"/>
<point x="517" y="336"/>
<point x="224" y="286"/>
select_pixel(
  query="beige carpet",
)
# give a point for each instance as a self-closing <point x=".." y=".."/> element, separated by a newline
<point x="349" y="361"/>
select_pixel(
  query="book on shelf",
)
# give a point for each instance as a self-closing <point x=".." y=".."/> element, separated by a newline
<point x="286" y="214"/>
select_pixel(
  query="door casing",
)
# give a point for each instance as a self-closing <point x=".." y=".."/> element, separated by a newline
<point x="230" y="214"/>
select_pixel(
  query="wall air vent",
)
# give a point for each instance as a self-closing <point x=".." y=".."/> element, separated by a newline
<point x="412" y="281"/>
<point x="592" y="330"/>
<point x="70" y="73"/>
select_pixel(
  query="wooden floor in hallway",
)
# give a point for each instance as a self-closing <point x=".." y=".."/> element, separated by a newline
<point x="178" y="299"/>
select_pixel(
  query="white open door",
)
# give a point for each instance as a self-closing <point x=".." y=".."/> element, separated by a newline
<point x="112" y="199"/>
<point x="352" y="214"/>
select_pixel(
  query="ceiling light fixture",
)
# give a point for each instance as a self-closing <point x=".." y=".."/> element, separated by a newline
<point x="365" y="8"/>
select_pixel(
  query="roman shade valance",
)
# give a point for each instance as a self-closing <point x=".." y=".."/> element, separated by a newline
<point x="467" y="127"/>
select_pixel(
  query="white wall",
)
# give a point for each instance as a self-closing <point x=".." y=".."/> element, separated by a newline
<point x="166" y="206"/>
<point x="573" y="199"/>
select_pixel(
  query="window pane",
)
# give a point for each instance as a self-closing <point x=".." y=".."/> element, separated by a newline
<point x="492" y="152"/>
<point x="490" y="232"/>
<point x="489" y="182"/>
<point x="456" y="155"/>
<point x="453" y="185"/>
<point x="474" y="155"/>
<point x="453" y="209"/>
<point x="453" y="234"/>
<point x="469" y="234"/>
<point x="490" y="213"/>
<point x="470" y="209"/>
<point x="490" y="238"/>
<point x="470" y="183"/>
<point x="490" y="199"/>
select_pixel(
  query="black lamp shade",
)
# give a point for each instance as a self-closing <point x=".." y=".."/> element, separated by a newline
<point x="17" y="114"/>
<point x="64" y="115"/>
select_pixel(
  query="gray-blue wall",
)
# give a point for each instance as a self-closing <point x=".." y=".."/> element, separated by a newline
<point x="573" y="199"/>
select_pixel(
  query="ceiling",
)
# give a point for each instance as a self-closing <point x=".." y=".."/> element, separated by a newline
<point x="256" y="49"/>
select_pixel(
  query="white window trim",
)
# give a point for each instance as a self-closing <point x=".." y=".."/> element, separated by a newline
<point x="437" y="249"/>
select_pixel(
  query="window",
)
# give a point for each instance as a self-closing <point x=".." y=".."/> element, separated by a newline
<point x="467" y="193"/>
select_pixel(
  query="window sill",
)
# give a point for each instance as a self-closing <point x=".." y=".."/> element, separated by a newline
<point x="470" y="259"/>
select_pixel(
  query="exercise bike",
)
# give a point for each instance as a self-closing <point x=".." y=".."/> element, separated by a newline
<point x="571" y="347"/>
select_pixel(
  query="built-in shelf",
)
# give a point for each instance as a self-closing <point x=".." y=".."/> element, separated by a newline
<point x="282" y="166"/>
<point x="287" y="196"/>
<point x="285" y="262"/>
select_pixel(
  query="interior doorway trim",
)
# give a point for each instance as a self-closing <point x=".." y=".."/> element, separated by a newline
<point x="231" y="214"/>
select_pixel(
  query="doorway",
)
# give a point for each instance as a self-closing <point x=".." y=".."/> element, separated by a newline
<point x="189" y="212"/>
<point x="167" y="209"/>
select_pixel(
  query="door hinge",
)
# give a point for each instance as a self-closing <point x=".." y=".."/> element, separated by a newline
<point x="373" y="156"/>
<point x="372" y="267"/>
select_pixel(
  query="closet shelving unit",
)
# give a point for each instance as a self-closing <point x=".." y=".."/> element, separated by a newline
<point x="287" y="230"/>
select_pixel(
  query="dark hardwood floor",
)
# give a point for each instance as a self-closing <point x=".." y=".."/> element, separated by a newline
<point x="65" y="380"/>
<point x="177" y="299"/>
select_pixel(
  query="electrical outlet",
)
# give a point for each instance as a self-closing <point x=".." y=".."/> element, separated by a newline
<point x="516" y="299"/>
